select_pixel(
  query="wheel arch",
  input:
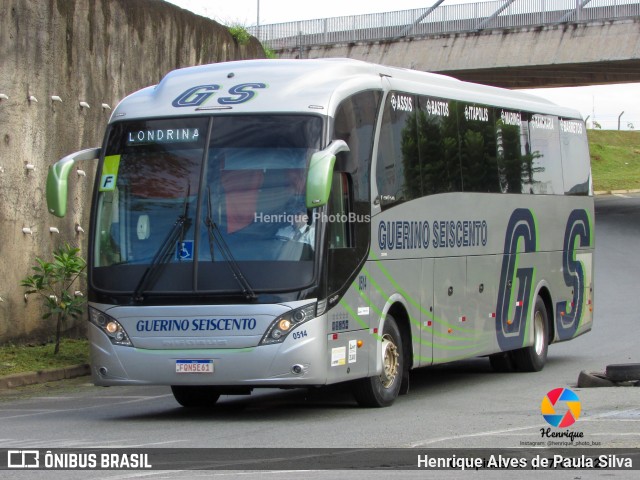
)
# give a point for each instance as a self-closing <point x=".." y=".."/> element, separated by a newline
<point x="544" y="293"/>
<point x="399" y="312"/>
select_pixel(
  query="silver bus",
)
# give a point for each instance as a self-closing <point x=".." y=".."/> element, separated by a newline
<point x="299" y="223"/>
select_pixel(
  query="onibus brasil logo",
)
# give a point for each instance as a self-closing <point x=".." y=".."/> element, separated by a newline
<point x="560" y="407"/>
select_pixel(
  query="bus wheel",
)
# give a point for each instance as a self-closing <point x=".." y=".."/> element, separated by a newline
<point x="502" y="362"/>
<point x="195" y="396"/>
<point x="533" y="358"/>
<point x="382" y="390"/>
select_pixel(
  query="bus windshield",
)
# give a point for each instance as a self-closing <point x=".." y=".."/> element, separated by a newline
<point x="190" y="204"/>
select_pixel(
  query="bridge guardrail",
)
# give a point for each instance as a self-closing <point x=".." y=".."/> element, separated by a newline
<point x="459" y="18"/>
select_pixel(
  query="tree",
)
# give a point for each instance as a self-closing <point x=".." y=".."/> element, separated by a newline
<point x="53" y="282"/>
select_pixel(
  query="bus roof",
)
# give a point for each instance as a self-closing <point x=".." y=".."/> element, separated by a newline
<point x="304" y="86"/>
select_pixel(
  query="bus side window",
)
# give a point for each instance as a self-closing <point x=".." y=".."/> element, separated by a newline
<point x="574" y="147"/>
<point x="340" y="212"/>
<point x="398" y="174"/>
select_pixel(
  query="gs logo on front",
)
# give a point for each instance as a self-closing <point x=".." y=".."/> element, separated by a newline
<point x="201" y="94"/>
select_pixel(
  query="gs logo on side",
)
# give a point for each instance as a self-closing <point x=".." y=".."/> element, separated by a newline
<point x="199" y="95"/>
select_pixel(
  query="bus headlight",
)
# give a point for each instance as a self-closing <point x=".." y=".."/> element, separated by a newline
<point x="111" y="327"/>
<point x="285" y="323"/>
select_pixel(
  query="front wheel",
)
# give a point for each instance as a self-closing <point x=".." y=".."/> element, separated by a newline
<point x="533" y="358"/>
<point x="195" y="396"/>
<point x="382" y="390"/>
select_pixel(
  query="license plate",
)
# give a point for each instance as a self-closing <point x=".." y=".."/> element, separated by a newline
<point x="194" y="366"/>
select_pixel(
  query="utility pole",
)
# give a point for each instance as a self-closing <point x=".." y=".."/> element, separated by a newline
<point x="258" y="20"/>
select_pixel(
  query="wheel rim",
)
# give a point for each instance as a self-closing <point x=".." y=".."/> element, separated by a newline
<point x="390" y="361"/>
<point x="538" y="332"/>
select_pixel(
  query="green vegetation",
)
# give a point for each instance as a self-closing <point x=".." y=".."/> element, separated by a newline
<point x="269" y="53"/>
<point x="52" y="281"/>
<point x="615" y="159"/>
<point x="33" y="358"/>
<point x="240" y="33"/>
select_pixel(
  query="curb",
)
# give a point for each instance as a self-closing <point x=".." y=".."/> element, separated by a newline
<point x="44" y="376"/>
<point x="615" y="192"/>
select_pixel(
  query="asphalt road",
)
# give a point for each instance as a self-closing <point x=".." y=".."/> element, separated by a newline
<point x="463" y="405"/>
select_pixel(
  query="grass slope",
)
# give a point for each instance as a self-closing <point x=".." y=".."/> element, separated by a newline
<point x="615" y="159"/>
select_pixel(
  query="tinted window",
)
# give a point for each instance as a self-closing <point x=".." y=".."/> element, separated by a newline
<point x="438" y="145"/>
<point x="513" y="159"/>
<point x="478" y="150"/>
<point x="575" y="156"/>
<point x="350" y="200"/>
<point x="169" y="204"/>
<point x="542" y="172"/>
<point x="398" y="173"/>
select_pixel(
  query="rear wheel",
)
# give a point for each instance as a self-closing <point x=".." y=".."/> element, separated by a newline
<point x="382" y="390"/>
<point x="533" y="358"/>
<point x="195" y="396"/>
<point x="502" y="362"/>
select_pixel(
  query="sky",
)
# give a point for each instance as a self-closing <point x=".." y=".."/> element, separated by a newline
<point x="603" y="103"/>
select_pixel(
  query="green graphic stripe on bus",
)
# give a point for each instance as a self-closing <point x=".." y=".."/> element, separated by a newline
<point x="383" y="294"/>
<point x="358" y="320"/>
<point x="479" y="344"/>
<point x="521" y="230"/>
<point x="418" y="323"/>
<point x="513" y="301"/>
<point x="592" y="235"/>
<point x="577" y="233"/>
<point x="379" y="313"/>
<point x="412" y="301"/>
<point x="585" y="290"/>
<point x="529" y="313"/>
<point x="365" y="297"/>
<point x="592" y="239"/>
<point x="535" y="229"/>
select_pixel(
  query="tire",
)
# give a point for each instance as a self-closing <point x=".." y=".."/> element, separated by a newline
<point x="623" y="372"/>
<point x="593" y="379"/>
<point x="195" y="396"/>
<point x="533" y="358"/>
<point x="502" y="362"/>
<point x="382" y="390"/>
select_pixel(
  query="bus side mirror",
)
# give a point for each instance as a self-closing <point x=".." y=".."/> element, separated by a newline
<point x="320" y="173"/>
<point x="58" y="176"/>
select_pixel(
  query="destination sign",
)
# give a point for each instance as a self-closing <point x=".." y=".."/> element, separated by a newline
<point x="163" y="135"/>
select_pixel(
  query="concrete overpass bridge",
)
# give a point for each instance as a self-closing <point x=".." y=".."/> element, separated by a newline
<point x="508" y="43"/>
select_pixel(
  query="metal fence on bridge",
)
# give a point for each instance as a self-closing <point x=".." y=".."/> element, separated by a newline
<point x="444" y="19"/>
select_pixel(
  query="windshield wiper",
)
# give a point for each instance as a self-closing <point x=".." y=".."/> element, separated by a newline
<point x="163" y="254"/>
<point x="215" y="236"/>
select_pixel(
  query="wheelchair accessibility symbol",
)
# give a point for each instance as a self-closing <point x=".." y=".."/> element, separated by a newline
<point x="184" y="251"/>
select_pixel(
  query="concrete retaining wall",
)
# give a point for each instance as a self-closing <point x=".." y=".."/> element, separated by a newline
<point x="92" y="51"/>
